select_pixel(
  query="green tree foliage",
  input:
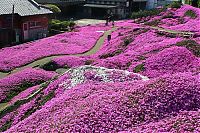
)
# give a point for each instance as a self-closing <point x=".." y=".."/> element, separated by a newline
<point x="53" y="8"/>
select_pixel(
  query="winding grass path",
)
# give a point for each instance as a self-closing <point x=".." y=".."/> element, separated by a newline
<point x="45" y="60"/>
<point x="184" y="33"/>
<point x="3" y="106"/>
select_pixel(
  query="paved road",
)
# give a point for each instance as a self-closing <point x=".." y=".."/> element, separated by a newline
<point x="82" y="22"/>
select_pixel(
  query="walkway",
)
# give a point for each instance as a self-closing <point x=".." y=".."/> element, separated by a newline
<point x="45" y="60"/>
<point x="183" y="33"/>
<point x="83" y="22"/>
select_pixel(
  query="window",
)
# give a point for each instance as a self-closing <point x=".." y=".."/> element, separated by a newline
<point x="34" y="24"/>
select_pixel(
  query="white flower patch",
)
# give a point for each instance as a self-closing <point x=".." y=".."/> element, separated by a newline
<point x="78" y="77"/>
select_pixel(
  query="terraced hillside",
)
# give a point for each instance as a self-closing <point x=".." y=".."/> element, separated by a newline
<point x="145" y="79"/>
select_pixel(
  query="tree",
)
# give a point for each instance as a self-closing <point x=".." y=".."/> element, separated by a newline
<point x="54" y="8"/>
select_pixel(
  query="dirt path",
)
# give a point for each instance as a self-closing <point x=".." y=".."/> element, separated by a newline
<point x="45" y="60"/>
<point x="172" y="31"/>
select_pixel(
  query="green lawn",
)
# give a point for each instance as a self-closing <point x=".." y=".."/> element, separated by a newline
<point x="3" y="106"/>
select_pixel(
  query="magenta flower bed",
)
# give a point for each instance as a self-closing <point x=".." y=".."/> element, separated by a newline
<point x="24" y="94"/>
<point x="69" y="61"/>
<point x="171" y="60"/>
<point x="175" y="19"/>
<point x="143" y="45"/>
<point x="19" y="114"/>
<point x="66" y="43"/>
<point x="62" y="85"/>
<point x="115" y="107"/>
<point x="192" y="25"/>
<point x="97" y="99"/>
<point x="22" y="79"/>
<point x="189" y="23"/>
<point x="186" y="121"/>
<point x="181" y="11"/>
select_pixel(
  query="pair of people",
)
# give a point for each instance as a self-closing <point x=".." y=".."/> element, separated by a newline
<point x="110" y="18"/>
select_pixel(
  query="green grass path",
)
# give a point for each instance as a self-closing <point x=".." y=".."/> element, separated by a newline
<point x="45" y="60"/>
<point x="172" y="31"/>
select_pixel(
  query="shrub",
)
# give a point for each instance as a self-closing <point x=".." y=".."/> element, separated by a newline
<point x="64" y="24"/>
<point x="46" y="98"/>
<point x="169" y="15"/>
<point x="19" y="89"/>
<point x="139" y="68"/>
<point x="146" y="13"/>
<point x="89" y="62"/>
<point x="117" y="52"/>
<point x="152" y="23"/>
<point x="50" y="66"/>
<point x="191" y="45"/>
<point x="127" y="41"/>
<point x="55" y="24"/>
<point x="6" y="126"/>
<point x="53" y="8"/>
<point x="199" y="3"/>
<point x="175" y="4"/>
<point x="190" y="13"/>
<point x="71" y="24"/>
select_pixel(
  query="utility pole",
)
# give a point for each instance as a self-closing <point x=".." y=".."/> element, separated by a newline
<point x="12" y="25"/>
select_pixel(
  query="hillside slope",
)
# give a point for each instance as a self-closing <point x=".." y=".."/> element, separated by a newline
<point x="145" y="79"/>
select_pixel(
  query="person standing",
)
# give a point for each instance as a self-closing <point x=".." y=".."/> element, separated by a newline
<point x="112" y="18"/>
<point x="107" y="19"/>
<point x="109" y="38"/>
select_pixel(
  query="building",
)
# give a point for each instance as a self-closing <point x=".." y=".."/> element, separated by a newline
<point x="101" y="8"/>
<point x="69" y="8"/>
<point x="98" y="8"/>
<point x="121" y="8"/>
<point x="22" y="20"/>
<point x="155" y="3"/>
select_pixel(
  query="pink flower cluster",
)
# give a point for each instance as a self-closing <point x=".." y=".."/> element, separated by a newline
<point x="186" y="121"/>
<point x="171" y="60"/>
<point x="97" y="99"/>
<point x="66" y="43"/>
<point x="116" y="107"/>
<point x="181" y="11"/>
<point x="28" y="77"/>
<point x="24" y="94"/>
<point x="176" y="20"/>
<point x="143" y="45"/>
<point x="69" y="61"/>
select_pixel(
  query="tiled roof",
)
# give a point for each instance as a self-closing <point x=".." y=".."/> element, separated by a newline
<point x="22" y="7"/>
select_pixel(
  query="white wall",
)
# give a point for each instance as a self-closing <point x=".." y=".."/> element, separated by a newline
<point x="151" y="4"/>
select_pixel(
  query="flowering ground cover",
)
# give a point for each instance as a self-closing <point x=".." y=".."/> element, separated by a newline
<point x="27" y="92"/>
<point x="115" y="107"/>
<point x="142" y="80"/>
<point x="15" y="83"/>
<point x="171" y="60"/>
<point x="186" y="121"/>
<point x="73" y="77"/>
<point x="184" y="19"/>
<point x="76" y="42"/>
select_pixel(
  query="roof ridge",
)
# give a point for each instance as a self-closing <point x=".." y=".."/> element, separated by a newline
<point x="35" y="3"/>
